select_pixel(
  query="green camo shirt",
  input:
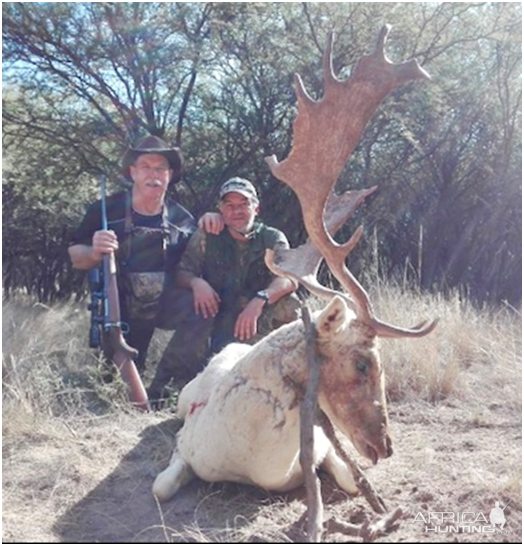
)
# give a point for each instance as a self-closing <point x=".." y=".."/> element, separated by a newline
<point x="235" y="269"/>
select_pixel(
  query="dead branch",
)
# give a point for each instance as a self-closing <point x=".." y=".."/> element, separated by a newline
<point x="367" y="531"/>
<point x="308" y="411"/>
<point x="368" y="492"/>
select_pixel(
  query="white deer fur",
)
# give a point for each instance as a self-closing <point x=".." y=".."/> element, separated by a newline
<point x="241" y="415"/>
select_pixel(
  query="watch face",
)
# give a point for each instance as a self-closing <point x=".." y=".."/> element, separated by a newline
<point x="263" y="295"/>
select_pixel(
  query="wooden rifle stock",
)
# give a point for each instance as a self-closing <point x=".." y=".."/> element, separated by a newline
<point x="120" y="352"/>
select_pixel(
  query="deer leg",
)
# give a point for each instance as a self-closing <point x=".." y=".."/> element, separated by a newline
<point x="176" y="475"/>
<point x="343" y="475"/>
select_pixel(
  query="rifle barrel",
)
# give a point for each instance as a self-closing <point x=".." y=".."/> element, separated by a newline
<point x="104" y="208"/>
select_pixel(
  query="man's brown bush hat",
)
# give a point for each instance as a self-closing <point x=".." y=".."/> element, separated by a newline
<point x="153" y="145"/>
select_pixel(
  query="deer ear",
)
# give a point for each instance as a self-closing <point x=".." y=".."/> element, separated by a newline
<point x="334" y="318"/>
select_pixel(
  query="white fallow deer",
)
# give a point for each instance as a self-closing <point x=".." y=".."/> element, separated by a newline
<point x="241" y="416"/>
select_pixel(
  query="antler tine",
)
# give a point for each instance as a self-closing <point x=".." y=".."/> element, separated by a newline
<point x="409" y="70"/>
<point x="383" y="329"/>
<point x="327" y="61"/>
<point x="279" y="265"/>
<point x="380" y="46"/>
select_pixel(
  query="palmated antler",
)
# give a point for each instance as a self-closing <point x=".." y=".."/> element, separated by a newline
<point x="325" y="133"/>
<point x="302" y="263"/>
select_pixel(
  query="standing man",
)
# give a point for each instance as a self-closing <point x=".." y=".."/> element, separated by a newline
<point x="148" y="233"/>
<point x="229" y="279"/>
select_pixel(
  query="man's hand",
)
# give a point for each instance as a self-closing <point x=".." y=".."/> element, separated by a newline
<point x="205" y="298"/>
<point x="104" y="242"/>
<point x="247" y="321"/>
<point x="211" y="222"/>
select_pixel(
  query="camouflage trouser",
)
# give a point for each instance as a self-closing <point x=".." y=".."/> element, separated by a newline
<point x="187" y="352"/>
<point x="283" y="311"/>
<point x="138" y="336"/>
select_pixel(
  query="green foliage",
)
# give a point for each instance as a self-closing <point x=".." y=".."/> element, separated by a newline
<point x="83" y="80"/>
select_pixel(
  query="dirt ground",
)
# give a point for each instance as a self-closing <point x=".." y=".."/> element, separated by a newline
<point x="88" y="479"/>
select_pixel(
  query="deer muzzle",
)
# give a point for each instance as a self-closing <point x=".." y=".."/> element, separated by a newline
<point x="374" y="450"/>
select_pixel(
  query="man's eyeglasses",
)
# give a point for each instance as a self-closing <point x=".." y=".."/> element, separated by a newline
<point x="152" y="170"/>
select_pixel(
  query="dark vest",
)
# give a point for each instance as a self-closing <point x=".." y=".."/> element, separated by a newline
<point x="237" y="270"/>
<point x="149" y="249"/>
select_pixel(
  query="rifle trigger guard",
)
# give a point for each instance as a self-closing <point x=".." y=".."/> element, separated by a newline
<point x="124" y="327"/>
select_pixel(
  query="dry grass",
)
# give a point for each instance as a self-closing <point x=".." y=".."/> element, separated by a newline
<point x="431" y="368"/>
<point x="47" y="366"/>
<point x="78" y="464"/>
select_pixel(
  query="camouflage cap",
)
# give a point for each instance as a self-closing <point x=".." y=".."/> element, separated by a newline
<point x="238" y="185"/>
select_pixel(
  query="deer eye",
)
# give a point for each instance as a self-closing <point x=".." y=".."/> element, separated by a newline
<point x="362" y="366"/>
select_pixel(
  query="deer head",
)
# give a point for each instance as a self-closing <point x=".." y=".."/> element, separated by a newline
<point x="325" y="133"/>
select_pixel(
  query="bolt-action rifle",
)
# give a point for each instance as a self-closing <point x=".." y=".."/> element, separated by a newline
<point x="106" y="327"/>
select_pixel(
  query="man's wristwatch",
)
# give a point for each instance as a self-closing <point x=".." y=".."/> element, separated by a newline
<point x="263" y="295"/>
